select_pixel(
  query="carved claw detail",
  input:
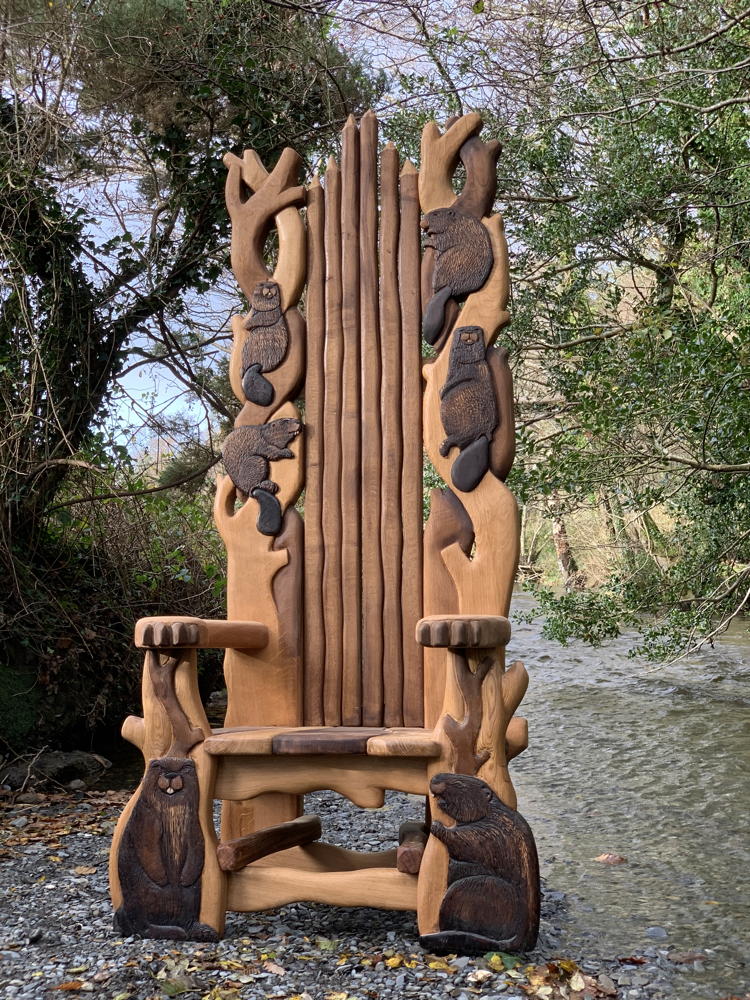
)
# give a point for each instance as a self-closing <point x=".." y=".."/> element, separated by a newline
<point x="168" y="635"/>
<point x="463" y="631"/>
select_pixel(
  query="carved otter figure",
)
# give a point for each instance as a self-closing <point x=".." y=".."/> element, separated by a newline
<point x="463" y="261"/>
<point x="266" y="344"/>
<point x="161" y="857"/>
<point x="468" y="408"/>
<point x="493" y="896"/>
<point x="247" y="452"/>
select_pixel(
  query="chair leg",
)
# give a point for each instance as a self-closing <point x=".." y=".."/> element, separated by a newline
<point x="165" y="879"/>
<point x="479" y="881"/>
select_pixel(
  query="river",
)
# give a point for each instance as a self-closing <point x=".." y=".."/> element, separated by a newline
<point x="651" y="762"/>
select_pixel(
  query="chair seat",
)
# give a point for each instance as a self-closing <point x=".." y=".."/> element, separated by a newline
<point x="306" y="740"/>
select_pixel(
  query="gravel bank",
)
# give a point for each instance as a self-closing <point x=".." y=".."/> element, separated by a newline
<point x="56" y="932"/>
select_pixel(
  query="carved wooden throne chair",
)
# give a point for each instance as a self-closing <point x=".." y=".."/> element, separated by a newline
<point x="363" y="651"/>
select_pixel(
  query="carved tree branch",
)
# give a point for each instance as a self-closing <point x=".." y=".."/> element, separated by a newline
<point x="184" y="736"/>
<point x="463" y="735"/>
<point x="274" y="198"/>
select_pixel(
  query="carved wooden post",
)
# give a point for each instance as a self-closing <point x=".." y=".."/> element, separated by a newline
<point x="472" y="536"/>
<point x="165" y="880"/>
<point x="263" y="459"/>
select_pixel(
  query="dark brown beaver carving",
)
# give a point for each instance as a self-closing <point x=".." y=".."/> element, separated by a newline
<point x="493" y="895"/>
<point x="266" y="344"/>
<point x="468" y="408"/>
<point x="463" y="261"/>
<point x="161" y="857"/>
<point x="247" y="452"/>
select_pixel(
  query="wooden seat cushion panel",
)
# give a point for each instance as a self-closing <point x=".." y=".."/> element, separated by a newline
<point x="276" y="741"/>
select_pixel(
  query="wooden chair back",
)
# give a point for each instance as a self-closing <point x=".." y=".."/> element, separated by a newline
<point x="341" y="584"/>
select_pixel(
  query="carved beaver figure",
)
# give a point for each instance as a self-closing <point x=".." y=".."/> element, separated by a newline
<point x="463" y="261"/>
<point x="246" y="453"/>
<point x="266" y="344"/>
<point x="468" y="408"/>
<point x="493" y="896"/>
<point x="161" y="857"/>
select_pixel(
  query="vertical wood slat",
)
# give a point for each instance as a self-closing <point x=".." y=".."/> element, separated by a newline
<point x="315" y="646"/>
<point x="372" y="568"/>
<point x="390" y="526"/>
<point x="332" y="530"/>
<point x="351" y="553"/>
<point x="411" y="412"/>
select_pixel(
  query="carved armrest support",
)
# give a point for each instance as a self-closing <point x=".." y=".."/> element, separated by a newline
<point x="173" y="632"/>
<point x="463" y="631"/>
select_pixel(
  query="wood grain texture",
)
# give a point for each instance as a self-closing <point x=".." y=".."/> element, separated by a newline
<point x="447" y="524"/>
<point x="478" y="193"/>
<point x="404" y="743"/>
<point x="391" y="534"/>
<point x="263" y="888"/>
<point x="332" y="740"/>
<point x="332" y="528"/>
<point x="172" y="631"/>
<point x="462" y="263"/>
<point x="264" y="686"/>
<point x="351" y="445"/>
<point x="503" y="445"/>
<point x="412" y="839"/>
<point x="287" y="590"/>
<point x="155" y="736"/>
<point x="247" y="454"/>
<point x="315" y="646"/>
<point x="439" y="159"/>
<point x="161" y="856"/>
<point x="468" y="410"/>
<point x="236" y="854"/>
<point x="481" y="580"/>
<point x="493" y="892"/>
<point x="463" y="631"/>
<point x="322" y="857"/>
<point x="411" y="423"/>
<point x="286" y="379"/>
<point x="363" y="779"/>
<point x="273" y="201"/>
<point x="372" y="566"/>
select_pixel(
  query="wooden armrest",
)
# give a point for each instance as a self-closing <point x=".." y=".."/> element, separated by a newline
<point x="463" y="631"/>
<point x="199" y="633"/>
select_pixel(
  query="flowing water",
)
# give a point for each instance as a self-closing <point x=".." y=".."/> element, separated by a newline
<point x="650" y="762"/>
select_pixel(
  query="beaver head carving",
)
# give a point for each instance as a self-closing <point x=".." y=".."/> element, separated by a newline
<point x="265" y="297"/>
<point x="468" y="345"/>
<point x="464" y="798"/>
<point x="169" y="779"/>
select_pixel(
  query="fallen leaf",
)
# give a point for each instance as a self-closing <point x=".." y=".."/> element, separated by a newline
<point x="325" y="944"/>
<point x="479" y="976"/>
<point x="440" y="965"/>
<point x="577" y="982"/>
<point x="174" y="987"/>
<point x="633" y="960"/>
<point x="336" y="996"/>
<point x="274" y="968"/>
<point x="395" y="961"/>
<point x="544" y="991"/>
<point x="684" y="957"/>
<point x="84" y="870"/>
<point x="611" y="859"/>
<point x="567" y="965"/>
<point x="74" y="984"/>
<point x="499" y="961"/>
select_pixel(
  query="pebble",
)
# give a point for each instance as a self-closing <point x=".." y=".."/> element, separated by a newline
<point x="656" y="932"/>
<point x="55" y="921"/>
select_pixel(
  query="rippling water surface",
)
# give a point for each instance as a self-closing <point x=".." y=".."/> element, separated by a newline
<point x="653" y="763"/>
